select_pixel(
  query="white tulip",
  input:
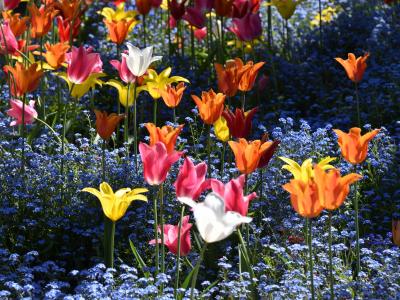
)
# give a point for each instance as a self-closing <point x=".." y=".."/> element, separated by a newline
<point x="138" y="61"/>
<point x="213" y="223"/>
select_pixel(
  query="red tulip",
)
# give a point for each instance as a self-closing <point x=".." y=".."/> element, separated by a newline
<point x="82" y="62"/>
<point x="143" y="6"/>
<point x="200" y="33"/>
<point x="247" y="28"/>
<point x="177" y="9"/>
<point x="191" y="181"/>
<point x="232" y="193"/>
<point x="157" y="162"/>
<point x="239" y="124"/>
<point x="11" y="4"/>
<point x="64" y="28"/>
<point x="171" y="237"/>
<point x="195" y="17"/>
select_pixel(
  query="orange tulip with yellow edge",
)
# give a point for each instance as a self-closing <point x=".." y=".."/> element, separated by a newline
<point x="106" y="123"/>
<point x="41" y="19"/>
<point x="55" y="54"/>
<point x="354" y="68"/>
<point x="248" y="154"/>
<point x="23" y="80"/>
<point x="332" y="188"/>
<point x="118" y="30"/>
<point x="172" y="96"/>
<point x="166" y="134"/>
<point x="210" y="106"/>
<point x="353" y="146"/>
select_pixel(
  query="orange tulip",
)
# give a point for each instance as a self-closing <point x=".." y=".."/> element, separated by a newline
<point x="248" y="78"/>
<point x="55" y="54"/>
<point x="172" y="96"/>
<point x="166" y="134"/>
<point x="230" y="75"/>
<point x="41" y="19"/>
<point x="304" y="197"/>
<point x="210" y="106"/>
<point x="354" y="68"/>
<point x="18" y="25"/>
<point x="354" y="147"/>
<point x="69" y="9"/>
<point x="248" y="154"/>
<point x="396" y="232"/>
<point x="23" y="80"/>
<point x="118" y="30"/>
<point x="332" y="188"/>
<point x="106" y="123"/>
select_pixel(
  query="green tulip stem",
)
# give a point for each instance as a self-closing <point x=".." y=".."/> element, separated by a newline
<point x="135" y="129"/>
<point x="358" y="104"/>
<point x="178" y="256"/>
<point x="157" y="264"/>
<point x="209" y="149"/>
<point x="332" y="280"/>
<point x="223" y="159"/>
<point x="155" y="112"/>
<point x="355" y="203"/>
<point x="23" y="127"/>
<point x="126" y="122"/>
<point x="162" y="228"/>
<point x="196" y="271"/>
<point x="310" y="259"/>
<point x="103" y="161"/>
<point x="109" y="233"/>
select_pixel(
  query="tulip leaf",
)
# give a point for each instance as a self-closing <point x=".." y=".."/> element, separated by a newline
<point x="210" y="287"/>
<point x="142" y="264"/>
<point x="188" y="278"/>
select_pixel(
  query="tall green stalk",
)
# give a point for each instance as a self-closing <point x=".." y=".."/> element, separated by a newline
<point x="358" y="104"/>
<point x="157" y="263"/>
<point x="135" y="129"/>
<point x="209" y="149"/>
<point x="332" y="280"/>
<point x="310" y="259"/>
<point x="355" y="204"/>
<point x="196" y="271"/>
<point x="178" y="256"/>
<point x="162" y="227"/>
<point x="109" y="233"/>
<point x="126" y="121"/>
<point x="155" y="112"/>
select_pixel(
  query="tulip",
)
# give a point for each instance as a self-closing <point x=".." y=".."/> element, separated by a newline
<point x="157" y="162"/>
<point x="166" y="135"/>
<point x="82" y="62"/>
<point x="41" y="19"/>
<point x="11" y="4"/>
<point x="242" y="7"/>
<point x="23" y="80"/>
<point x="56" y="54"/>
<point x="191" y="180"/>
<point x="249" y="75"/>
<point x="118" y="31"/>
<point x="267" y="155"/>
<point x="143" y="6"/>
<point x="213" y="222"/>
<point x="354" y="68"/>
<point x="17" y="23"/>
<point x="305" y="172"/>
<point x="229" y="76"/>
<point x="332" y="188"/>
<point x="123" y="70"/>
<point x="247" y="28"/>
<point x="20" y="112"/>
<point x="81" y="89"/>
<point x="396" y="232"/>
<point x="156" y="83"/>
<point x="248" y="154"/>
<point x="115" y="204"/>
<point x="8" y="42"/>
<point x="195" y="17"/>
<point x="239" y="123"/>
<point x="221" y="129"/>
<point x="210" y="106"/>
<point x="69" y="9"/>
<point x="118" y="14"/>
<point x="106" y="123"/>
<point x="177" y="9"/>
<point x="138" y="61"/>
<point x="223" y="8"/>
<point x="304" y="197"/>
<point x="204" y="5"/>
<point x="353" y="146"/>
<point x="233" y="195"/>
<point x="172" y="96"/>
<point x="286" y="8"/>
<point x="65" y="27"/>
<point x="125" y="99"/>
<point x="171" y="237"/>
<point x="200" y="33"/>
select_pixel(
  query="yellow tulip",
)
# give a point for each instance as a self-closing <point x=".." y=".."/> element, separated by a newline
<point x="123" y="92"/>
<point x="305" y="172"/>
<point x="286" y="8"/>
<point x="119" y="14"/>
<point x="115" y="204"/>
<point x="81" y="89"/>
<point x="158" y="82"/>
<point x="221" y="129"/>
<point x="31" y="59"/>
<point x="328" y="14"/>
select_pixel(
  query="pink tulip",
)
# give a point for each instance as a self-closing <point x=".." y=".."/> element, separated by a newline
<point x="195" y="17"/>
<point x="123" y="70"/>
<point x="8" y="42"/>
<point x="191" y="181"/>
<point x="204" y="5"/>
<point x="232" y="193"/>
<point x="82" y="63"/>
<point x="171" y="237"/>
<point x="247" y="28"/>
<point x="11" y="4"/>
<point x="157" y="162"/>
<point x="172" y="22"/>
<point x="200" y="34"/>
<point x="16" y="112"/>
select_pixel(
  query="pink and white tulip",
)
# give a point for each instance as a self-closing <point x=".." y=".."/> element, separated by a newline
<point x="82" y="62"/>
<point x="124" y="73"/>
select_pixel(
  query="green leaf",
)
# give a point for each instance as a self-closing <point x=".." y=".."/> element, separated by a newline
<point x="142" y="264"/>
<point x="187" y="280"/>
